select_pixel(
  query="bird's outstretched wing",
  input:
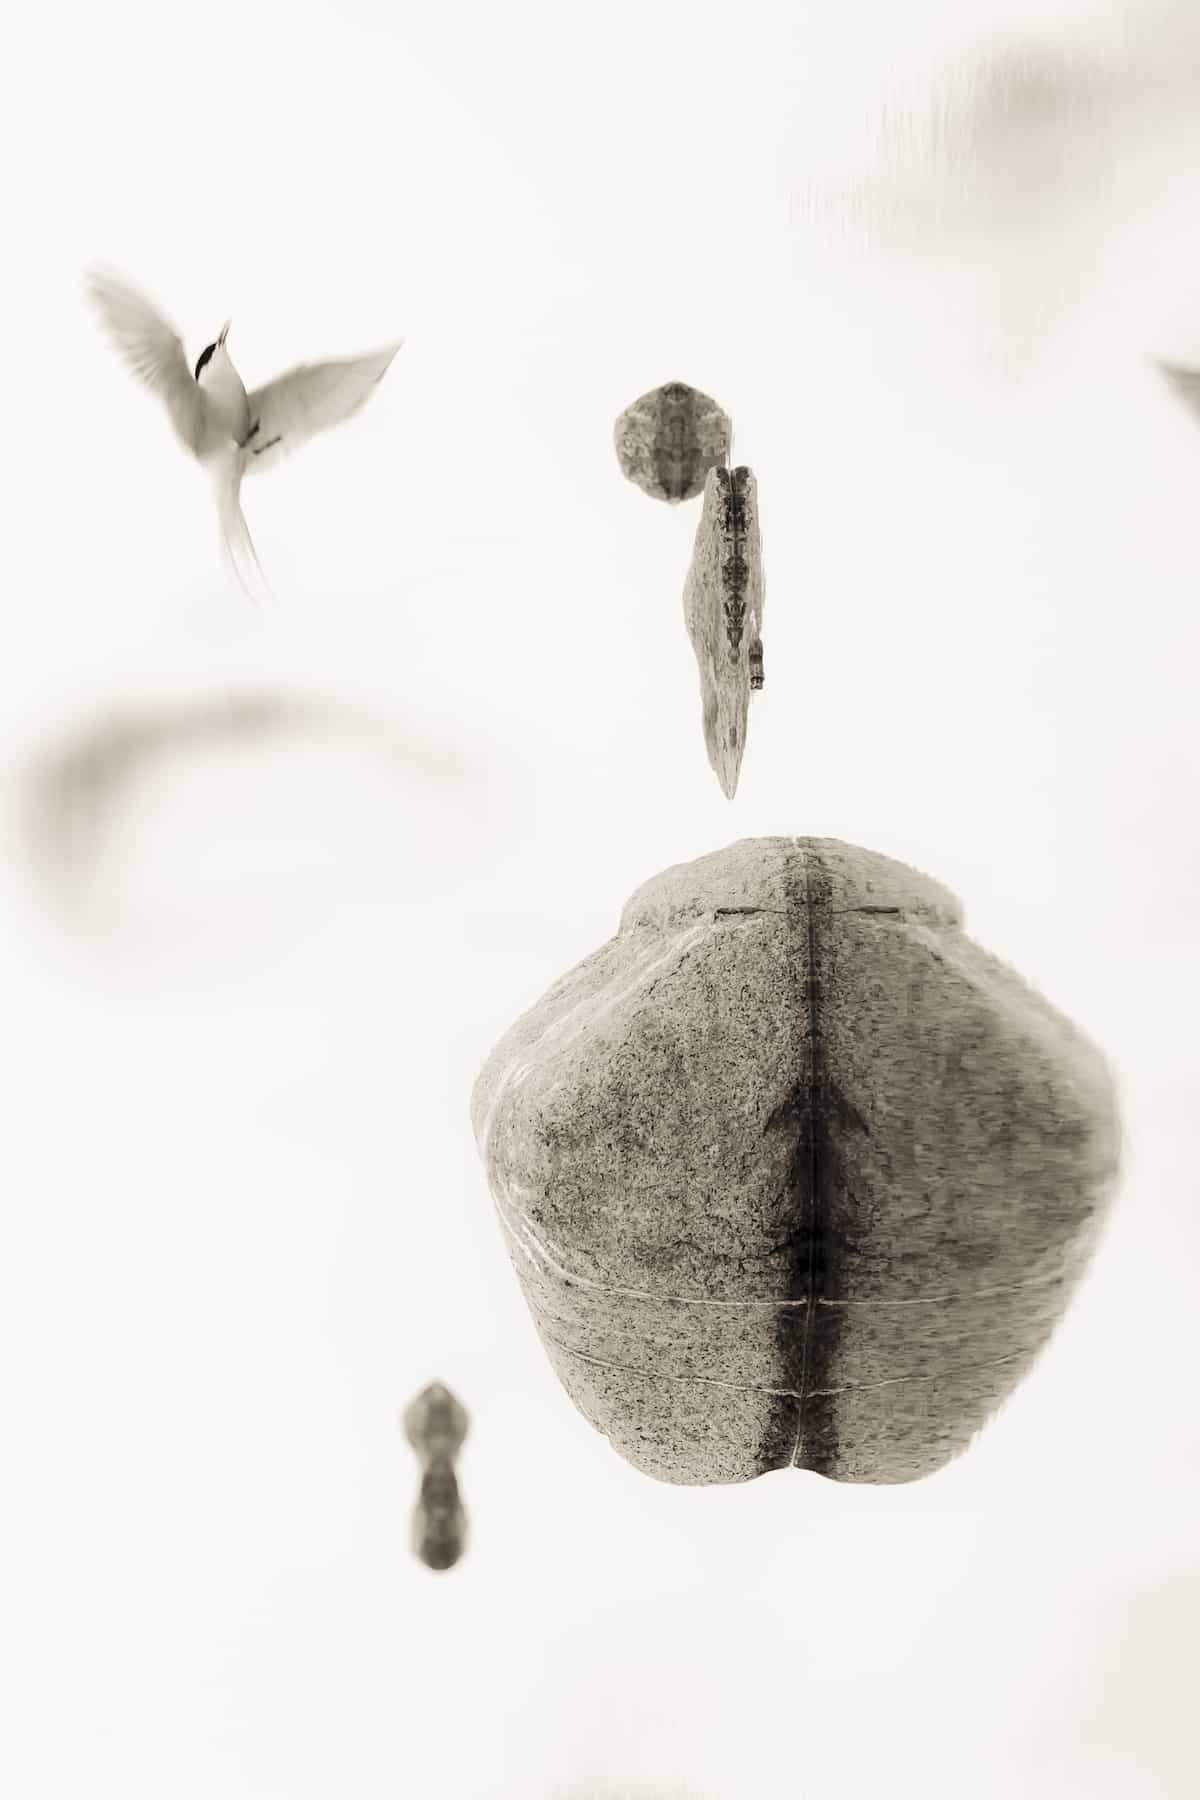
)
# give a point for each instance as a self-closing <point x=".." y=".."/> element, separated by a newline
<point x="307" y="399"/>
<point x="152" y="348"/>
<point x="1184" y="384"/>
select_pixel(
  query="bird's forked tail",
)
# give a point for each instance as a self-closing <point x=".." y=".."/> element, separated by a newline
<point x="235" y="533"/>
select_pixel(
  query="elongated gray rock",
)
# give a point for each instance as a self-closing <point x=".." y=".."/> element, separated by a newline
<point x="793" y="1174"/>
<point x="722" y="607"/>
<point x="436" y="1425"/>
<point x="668" y="440"/>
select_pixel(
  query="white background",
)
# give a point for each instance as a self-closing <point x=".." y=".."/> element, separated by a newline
<point x="925" y="270"/>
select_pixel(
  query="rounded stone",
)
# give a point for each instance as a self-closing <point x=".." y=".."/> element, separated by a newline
<point x="669" y="439"/>
<point x="436" y="1423"/>
<point x="793" y="1173"/>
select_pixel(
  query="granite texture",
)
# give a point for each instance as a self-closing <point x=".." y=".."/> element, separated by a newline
<point x="792" y="1172"/>
<point x="722" y="608"/>
<point x="668" y="440"/>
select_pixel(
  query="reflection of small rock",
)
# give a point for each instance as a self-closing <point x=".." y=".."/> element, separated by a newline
<point x="793" y="1174"/>
<point x="439" y="1522"/>
<point x="669" y="439"/>
<point x="722" y="606"/>
<point x="436" y="1425"/>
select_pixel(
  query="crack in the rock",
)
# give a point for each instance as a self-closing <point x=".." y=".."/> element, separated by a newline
<point x="735" y="571"/>
<point x="798" y="912"/>
<point x="748" y="1387"/>
<point x="814" y="1080"/>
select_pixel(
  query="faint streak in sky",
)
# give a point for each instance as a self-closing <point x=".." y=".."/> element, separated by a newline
<point x="985" y="147"/>
<point x="76" y="788"/>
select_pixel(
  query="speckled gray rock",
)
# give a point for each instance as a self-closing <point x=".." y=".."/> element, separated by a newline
<point x="792" y="1172"/>
<point x="436" y="1425"/>
<point x="722" y="607"/>
<point x="669" y="439"/>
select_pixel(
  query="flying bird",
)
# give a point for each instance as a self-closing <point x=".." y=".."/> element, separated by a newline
<point x="228" y="430"/>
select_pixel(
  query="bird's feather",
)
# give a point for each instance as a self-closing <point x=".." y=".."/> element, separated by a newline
<point x="307" y="399"/>
<point x="235" y="533"/>
<point x="153" y="350"/>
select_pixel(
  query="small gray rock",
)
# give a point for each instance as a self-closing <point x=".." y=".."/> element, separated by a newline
<point x="794" y="1174"/>
<point x="722" y="607"/>
<point x="669" y="439"/>
<point x="436" y="1425"/>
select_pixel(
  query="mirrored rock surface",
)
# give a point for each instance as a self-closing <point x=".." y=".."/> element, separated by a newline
<point x="794" y="1174"/>
<point x="722" y="607"/>
<point x="669" y="439"/>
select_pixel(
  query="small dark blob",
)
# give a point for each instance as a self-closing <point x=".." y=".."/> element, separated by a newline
<point x="436" y="1424"/>
<point x="440" y="1554"/>
<point x="439" y="1535"/>
<point x="205" y="356"/>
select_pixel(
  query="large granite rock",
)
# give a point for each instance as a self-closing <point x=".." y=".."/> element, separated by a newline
<point x="792" y="1172"/>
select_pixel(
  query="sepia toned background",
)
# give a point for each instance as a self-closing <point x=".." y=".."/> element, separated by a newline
<point x="274" y="880"/>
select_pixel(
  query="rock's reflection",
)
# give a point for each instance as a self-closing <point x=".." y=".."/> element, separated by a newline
<point x="436" y="1426"/>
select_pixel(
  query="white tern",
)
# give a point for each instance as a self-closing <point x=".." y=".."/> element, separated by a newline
<point x="228" y="430"/>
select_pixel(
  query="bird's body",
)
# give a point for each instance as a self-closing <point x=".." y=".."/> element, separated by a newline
<point x="226" y="402"/>
<point x="228" y="430"/>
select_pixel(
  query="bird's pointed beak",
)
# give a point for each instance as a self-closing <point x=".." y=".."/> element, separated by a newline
<point x="224" y="331"/>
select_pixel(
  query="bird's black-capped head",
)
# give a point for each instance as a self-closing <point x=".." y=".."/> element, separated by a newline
<point x="210" y="350"/>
